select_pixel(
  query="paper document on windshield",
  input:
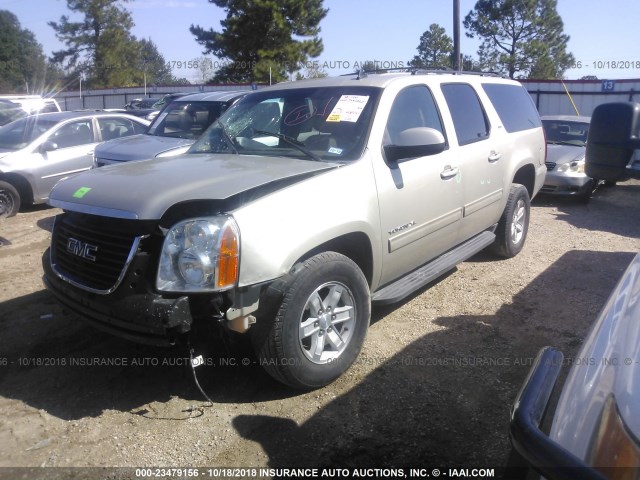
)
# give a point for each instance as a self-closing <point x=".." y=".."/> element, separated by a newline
<point x="348" y="109"/>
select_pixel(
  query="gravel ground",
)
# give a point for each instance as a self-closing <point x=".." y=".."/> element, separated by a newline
<point x="432" y="388"/>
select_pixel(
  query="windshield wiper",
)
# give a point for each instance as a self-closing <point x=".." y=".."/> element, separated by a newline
<point x="227" y="137"/>
<point x="291" y="141"/>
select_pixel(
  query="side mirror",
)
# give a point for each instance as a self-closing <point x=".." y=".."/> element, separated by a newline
<point x="413" y="143"/>
<point x="614" y="134"/>
<point x="48" y="146"/>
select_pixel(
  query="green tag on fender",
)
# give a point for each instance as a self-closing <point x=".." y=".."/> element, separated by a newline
<point x="81" y="192"/>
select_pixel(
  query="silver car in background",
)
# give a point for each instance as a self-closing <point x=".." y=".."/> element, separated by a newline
<point x="172" y="132"/>
<point x="566" y="140"/>
<point x="38" y="150"/>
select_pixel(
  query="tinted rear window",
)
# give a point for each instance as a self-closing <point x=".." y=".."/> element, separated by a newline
<point x="468" y="116"/>
<point x="514" y="106"/>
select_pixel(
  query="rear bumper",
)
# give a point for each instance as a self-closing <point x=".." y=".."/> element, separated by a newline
<point x="136" y="314"/>
<point x="545" y="455"/>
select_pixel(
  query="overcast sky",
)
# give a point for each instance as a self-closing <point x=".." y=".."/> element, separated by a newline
<point x="388" y="31"/>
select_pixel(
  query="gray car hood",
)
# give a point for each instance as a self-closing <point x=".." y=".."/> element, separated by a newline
<point x="145" y="190"/>
<point x="564" y="153"/>
<point x="139" y="147"/>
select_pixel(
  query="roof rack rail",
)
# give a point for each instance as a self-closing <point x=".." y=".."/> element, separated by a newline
<point x="362" y="73"/>
<point x="457" y="72"/>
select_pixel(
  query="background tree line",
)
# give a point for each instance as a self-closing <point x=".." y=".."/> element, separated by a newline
<point x="99" y="50"/>
<point x="262" y="40"/>
<point x="519" y="38"/>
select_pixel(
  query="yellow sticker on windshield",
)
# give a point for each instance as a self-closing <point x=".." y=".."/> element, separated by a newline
<point x="348" y="109"/>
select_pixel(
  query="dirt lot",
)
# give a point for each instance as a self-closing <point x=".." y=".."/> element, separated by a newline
<point x="432" y="388"/>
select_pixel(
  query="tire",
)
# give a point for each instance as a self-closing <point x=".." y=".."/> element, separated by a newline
<point x="304" y="349"/>
<point x="9" y="200"/>
<point x="585" y="197"/>
<point x="514" y="223"/>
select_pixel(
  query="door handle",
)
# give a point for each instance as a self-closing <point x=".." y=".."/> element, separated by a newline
<point x="494" y="157"/>
<point x="449" y="172"/>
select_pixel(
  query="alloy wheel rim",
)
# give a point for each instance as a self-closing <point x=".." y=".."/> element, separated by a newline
<point x="327" y="322"/>
<point x="518" y="222"/>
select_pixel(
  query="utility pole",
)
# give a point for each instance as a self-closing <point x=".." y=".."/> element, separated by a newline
<point x="456" y="35"/>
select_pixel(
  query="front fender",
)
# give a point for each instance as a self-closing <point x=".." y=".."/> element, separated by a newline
<point x="279" y="229"/>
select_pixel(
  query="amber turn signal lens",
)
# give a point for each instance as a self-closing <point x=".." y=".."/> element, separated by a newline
<point x="228" y="258"/>
<point x="614" y="451"/>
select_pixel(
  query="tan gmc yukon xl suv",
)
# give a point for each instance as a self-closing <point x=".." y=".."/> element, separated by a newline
<point x="306" y="203"/>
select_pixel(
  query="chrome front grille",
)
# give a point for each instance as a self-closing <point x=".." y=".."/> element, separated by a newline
<point x="91" y="255"/>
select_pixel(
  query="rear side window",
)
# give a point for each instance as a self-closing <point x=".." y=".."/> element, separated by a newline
<point x="112" y="128"/>
<point x="514" y="106"/>
<point x="468" y="116"/>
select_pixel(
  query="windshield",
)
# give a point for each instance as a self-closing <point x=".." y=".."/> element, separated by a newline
<point x="325" y="123"/>
<point x="186" y="119"/>
<point x="562" y="132"/>
<point x="19" y="134"/>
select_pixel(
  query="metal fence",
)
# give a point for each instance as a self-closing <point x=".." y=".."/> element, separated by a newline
<point x="550" y="96"/>
<point x="583" y="96"/>
<point x="119" y="97"/>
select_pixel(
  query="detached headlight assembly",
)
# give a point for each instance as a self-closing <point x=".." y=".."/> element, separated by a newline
<point x="200" y="255"/>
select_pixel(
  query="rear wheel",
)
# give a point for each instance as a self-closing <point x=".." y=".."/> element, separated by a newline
<point x="514" y="223"/>
<point x="320" y="324"/>
<point x="9" y="200"/>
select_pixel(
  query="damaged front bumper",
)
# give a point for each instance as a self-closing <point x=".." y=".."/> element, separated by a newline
<point x="132" y="311"/>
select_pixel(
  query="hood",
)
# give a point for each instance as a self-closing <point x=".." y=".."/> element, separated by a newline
<point x="145" y="190"/>
<point x="565" y="153"/>
<point x="139" y="147"/>
<point x="4" y="153"/>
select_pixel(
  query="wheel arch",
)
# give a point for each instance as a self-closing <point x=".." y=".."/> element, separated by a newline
<point x="526" y="175"/>
<point x="21" y="184"/>
<point x="355" y="246"/>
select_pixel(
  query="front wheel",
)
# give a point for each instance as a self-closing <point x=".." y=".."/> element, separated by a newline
<point x="9" y="200"/>
<point x="514" y="223"/>
<point x="322" y="318"/>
